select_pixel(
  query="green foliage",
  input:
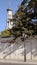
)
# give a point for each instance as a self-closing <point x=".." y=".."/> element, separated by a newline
<point x="24" y="17"/>
<point x="5" y="33"/>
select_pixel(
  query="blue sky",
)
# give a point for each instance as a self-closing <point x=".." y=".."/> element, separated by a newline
<point x="4" y="4"/>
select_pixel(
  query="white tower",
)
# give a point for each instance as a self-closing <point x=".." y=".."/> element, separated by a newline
<point x="9" y="19"/>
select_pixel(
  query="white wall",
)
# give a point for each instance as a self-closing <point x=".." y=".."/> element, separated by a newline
<point x="16" y="50"/>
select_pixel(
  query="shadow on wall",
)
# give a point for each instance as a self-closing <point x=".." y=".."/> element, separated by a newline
<point x="16" y="46"/>
<point x="30" y="44"/>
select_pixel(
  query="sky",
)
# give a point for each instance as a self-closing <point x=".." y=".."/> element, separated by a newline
<point x="4" y="4"/>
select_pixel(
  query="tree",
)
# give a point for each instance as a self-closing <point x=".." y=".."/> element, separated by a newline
<point x="25" y="16"/>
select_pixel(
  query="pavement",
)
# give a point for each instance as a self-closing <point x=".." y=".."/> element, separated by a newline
<point x="10" y="62"/>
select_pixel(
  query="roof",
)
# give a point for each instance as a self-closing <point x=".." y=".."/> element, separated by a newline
<point x="9" y="9"/>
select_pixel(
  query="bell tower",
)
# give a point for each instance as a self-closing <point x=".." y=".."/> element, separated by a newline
<point x="9" y="23"/>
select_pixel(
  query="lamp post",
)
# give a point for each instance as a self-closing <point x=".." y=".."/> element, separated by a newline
<point x="23" y="39"/>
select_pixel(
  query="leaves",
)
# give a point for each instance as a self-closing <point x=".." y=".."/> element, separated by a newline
<point x="25" y="15"/>
<point x="5" y="33"/>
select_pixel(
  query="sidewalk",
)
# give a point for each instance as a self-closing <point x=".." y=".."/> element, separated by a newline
<point x="16" y="62"/>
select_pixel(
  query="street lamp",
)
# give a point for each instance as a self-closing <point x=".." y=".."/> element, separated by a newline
<point x="24" y="36"/>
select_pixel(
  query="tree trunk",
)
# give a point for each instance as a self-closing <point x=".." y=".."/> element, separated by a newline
<point x="24" y="52"/>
